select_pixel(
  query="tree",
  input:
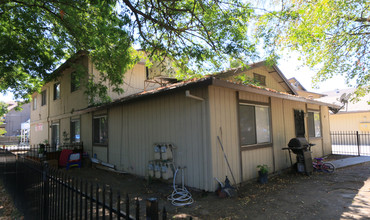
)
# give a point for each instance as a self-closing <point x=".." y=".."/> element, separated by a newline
<point x="36" y="36"/>
<point x="333" y="36"/>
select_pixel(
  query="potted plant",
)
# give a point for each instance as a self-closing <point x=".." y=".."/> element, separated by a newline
<point x="263" y="171"/>
<point x="41" y="150"/>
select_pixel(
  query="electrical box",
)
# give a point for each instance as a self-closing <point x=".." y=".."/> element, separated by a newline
<point x="157" y="170"/>
<point x="166" y="171"/>
<point x="157" y="152"/>
<point x="151" y="169"/>
<point x="166" y="152"/>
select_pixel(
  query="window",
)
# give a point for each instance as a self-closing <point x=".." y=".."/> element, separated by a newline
<point x="56" y="91"/>
<point x="75" y="131"/>
<point x="314" y="124"/>
<point x="43" y="98"/>
<point x="75" y="81"/>
<point x="254" y="124"/>
<point x="260" y="78"/>
<point x="34" y="103"/>
<point x="100" y="128"/>
<point x="299" y="123"/>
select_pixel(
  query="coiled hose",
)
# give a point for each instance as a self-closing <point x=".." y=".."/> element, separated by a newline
<point x="180" y="196"/>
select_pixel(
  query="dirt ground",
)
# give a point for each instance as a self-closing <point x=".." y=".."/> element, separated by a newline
<point x="7" y="209"/>
<point x="344" y="194"/>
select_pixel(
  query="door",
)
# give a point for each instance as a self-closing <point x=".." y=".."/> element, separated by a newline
<point x="54" y="135"/>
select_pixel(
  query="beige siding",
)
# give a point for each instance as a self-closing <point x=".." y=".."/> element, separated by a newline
<point x="253" y="97"/>
<point x="278" y="124"/>
<point x="135" y="127"/>
<point x="224" y="124"/>
<point x="86" y="132"/>
<point x="252" y="158"/>
<point x="115" y="135"/>
<point x="359" y="121"/>
<point x="325" y="125"/>
<point x="39" y="132"/>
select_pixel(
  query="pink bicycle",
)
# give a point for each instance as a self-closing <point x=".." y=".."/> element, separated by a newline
<point x="319" y="165"/>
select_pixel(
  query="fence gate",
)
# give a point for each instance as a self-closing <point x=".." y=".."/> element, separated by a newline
<point x="350" y="143"/>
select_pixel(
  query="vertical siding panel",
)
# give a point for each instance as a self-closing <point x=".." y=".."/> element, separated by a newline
<point x="278" y="131"/>
<point x="114" y="129"/>
<point x="325" y="126"/>
<point x="174" y="119"/>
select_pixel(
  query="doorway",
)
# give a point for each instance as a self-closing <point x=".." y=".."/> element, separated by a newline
<point x="54" y="136"/>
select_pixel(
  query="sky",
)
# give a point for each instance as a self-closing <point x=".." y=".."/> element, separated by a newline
<point x="291" y="68"/>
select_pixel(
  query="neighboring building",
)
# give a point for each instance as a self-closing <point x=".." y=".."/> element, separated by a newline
<point x="302" y="91"/>
<point x="353" y="116"/>
<point x="252" y="123"/>
<point x="14" y="119"/>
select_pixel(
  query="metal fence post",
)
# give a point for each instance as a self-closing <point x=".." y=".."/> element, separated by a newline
<point x="45" y="180"/>
<point x="358" y="143"/>
<point x="152" y="209"/>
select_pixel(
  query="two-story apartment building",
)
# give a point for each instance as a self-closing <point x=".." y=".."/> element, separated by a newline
<point x="252" y="123"/>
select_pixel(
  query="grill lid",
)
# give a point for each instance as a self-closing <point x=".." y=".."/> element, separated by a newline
<point x="298" y="142"/>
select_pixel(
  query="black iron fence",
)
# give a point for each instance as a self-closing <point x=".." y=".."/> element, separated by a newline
<point x="350" y="143"/>
<point x="43" y="192"/>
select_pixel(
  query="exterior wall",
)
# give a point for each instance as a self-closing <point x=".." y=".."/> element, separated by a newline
<point x="309" y="95"/>
<point x="134" y="128"/>
<point x="39" y="132"/>
<point x="14" y="119"/>
<point x="61" y="109"/>
<point x="325" y="125"/>
<point x="350" y="121"/>
<point x="134" y="79"/>
<point x="270" y="81"/>
<point x="86" y="132"/>
<point x="224" y="123"/>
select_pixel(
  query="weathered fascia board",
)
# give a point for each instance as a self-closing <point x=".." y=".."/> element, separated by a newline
<point x="240" y="87"/>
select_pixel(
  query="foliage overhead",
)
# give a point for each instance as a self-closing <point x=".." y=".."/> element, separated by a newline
<point x="36" y="36"/>
<point x="333" y="36"/>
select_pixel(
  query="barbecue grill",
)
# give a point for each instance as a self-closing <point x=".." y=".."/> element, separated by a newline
<point x="302" y="149"/>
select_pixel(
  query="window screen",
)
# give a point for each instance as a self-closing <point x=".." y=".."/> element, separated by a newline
<point x="254" y="124"/>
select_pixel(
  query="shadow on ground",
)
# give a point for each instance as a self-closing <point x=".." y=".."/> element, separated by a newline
<point x="343" y="194"/>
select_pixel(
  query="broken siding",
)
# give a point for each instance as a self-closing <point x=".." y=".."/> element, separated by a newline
<point x="135" y="127"/>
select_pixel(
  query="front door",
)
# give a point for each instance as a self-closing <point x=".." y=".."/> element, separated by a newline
<point x="54" y="135"/>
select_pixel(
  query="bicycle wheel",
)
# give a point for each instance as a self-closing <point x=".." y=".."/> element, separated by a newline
<point x="328" y="167"/>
